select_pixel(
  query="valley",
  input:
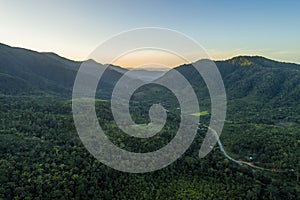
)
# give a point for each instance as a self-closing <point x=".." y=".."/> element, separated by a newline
<point x="42" y="155"/>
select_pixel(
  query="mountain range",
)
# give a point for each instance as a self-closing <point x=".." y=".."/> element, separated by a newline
<point x="24" y="71"/>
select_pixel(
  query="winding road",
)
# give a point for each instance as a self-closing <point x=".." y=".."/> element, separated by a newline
<point x="240" y="162"/>
<point x="222" y="148"/>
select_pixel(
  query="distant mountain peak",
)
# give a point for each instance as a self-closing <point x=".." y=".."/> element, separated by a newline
<point x="261" y="61"/>
<point x="245" y="60"/>
<point x="91" y="61"/>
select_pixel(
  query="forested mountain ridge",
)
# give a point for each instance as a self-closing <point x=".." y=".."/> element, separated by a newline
<point x="42" y="72"/>
<point x="253" y="76"/>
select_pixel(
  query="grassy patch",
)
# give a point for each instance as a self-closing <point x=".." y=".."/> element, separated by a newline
<point x="202" y="113"/>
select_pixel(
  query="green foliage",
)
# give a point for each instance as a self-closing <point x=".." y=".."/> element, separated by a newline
<point x="42" y="157"/>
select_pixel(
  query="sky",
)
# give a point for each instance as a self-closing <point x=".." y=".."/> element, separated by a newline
<point x="73" y="28"/>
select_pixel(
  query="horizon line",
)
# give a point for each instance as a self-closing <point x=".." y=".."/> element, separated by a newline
<point x="215" y="60"/>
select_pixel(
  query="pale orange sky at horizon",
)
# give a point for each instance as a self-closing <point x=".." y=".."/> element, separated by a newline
<point x="225" y="29"/>
<point x="133" y="60"/>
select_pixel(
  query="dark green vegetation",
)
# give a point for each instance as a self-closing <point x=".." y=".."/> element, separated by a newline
<point x="28" y="72"/>
<point x="41" y="155"/>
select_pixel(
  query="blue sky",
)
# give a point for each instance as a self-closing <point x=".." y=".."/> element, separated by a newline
<point x="224" y="28"/>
